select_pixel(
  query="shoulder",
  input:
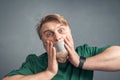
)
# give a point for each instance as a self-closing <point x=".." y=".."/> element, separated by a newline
<point x="86" y="47"/>
<point x="34" y="57"/>
<point x="35" y="60"/>
<point x="82" y="47"/>
<point x="31" y="57"/>
<point x="86" y="50"/>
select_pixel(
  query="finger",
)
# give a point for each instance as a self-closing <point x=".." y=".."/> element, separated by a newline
<point x="67" y="41"/>
<point x="47" y="47"/>
<point x="68" y="48"/>
<point x="54" y="52"/>
<point x="51" y="50"/>
<point x="70" y="39"/>
<point x="50" y="47"/>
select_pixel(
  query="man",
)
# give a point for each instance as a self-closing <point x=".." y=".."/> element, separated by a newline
<point x="80" y="63"/>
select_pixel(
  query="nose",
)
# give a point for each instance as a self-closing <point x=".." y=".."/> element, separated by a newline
<point x="58" y="37"/>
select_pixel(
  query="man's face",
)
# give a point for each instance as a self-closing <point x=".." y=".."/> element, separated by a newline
<point x="54" y="32"/>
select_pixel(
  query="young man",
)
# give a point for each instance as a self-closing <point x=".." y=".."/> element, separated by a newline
<point x="80" y="62"/>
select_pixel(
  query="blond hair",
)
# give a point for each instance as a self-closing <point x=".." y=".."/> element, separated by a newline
<point x="51" y="17"/>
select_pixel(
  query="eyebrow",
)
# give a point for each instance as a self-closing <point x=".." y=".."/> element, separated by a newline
<point x="51" y="30"/>
<point x="47" y="31"/>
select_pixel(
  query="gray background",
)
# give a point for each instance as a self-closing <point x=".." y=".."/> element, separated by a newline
<point x="95" y="22"/>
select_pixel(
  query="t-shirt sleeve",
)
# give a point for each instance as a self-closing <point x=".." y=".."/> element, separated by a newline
<point x="25" y="69"/>
<point x="88" y="51"/>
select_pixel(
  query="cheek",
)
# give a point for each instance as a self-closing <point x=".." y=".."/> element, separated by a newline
<point x="70" y="37"/>
<point x="47" y="39"/>
<point x="64" y="37"/>
<point x="69" y="34"/>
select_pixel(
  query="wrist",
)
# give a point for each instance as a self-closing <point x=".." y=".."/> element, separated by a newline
<point x="78" y="62"/>
<point x="51" y="74"/>
<point x="81" y="62"/>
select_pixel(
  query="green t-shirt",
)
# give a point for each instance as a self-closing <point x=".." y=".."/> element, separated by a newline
<point x="35" y="64"/>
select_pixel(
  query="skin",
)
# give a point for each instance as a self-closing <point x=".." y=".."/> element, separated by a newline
<point x="52" y="32"/>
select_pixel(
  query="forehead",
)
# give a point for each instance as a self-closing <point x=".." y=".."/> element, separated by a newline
<point x="51" y="26"/>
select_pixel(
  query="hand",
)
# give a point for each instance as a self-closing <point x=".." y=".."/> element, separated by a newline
<point x="72" y="55"/>
<point x="52" y="62"/>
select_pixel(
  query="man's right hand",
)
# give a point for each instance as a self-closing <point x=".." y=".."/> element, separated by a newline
<point x="50" y="72"/>
<point x="52" y="61"/>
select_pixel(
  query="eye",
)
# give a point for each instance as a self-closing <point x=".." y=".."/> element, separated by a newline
<point x="49" y="34"/>
<point x="61" y="30"/>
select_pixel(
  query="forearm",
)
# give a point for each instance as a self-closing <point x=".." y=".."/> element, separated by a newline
<point x="106" y="61"/>
<point x="46" y="75"/>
